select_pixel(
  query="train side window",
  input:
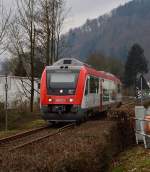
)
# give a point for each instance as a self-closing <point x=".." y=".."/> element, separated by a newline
<point x="113" y="94"/>
<point x="39" y="85"/>
<point x="105" y="95"/>
<point x="94" y="85"/>
<point x="119" y="88"/>
<point x="97" y="84"/>
<point x="87" y="87"/>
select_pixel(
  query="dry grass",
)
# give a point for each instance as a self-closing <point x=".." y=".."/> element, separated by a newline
<point x="87" y="148"/>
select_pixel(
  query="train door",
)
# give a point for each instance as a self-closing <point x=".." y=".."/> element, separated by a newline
<point x="101" y="93"/>
<point x="94" y="97"/>
<point x="85" y="101"/>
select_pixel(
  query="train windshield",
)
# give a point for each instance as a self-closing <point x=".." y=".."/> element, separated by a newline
<point x="62" y="79"/>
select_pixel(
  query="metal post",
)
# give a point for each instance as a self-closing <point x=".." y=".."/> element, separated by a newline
<point x="141" y="90"/>
<point x="6" y="102"/>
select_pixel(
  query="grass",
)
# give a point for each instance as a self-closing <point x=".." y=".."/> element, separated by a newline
<point x="118" y="169"/>
<point x="19" y="120"/>
<point x="8" y="133"/>
<point x="136" y="159"/>
<point x="34" y="124"/>
<point x="25" y="126"/>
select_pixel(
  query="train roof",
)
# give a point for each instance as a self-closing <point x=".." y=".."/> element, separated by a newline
<point x="73" y="63"/>
<point x="70" y="62"/>
<point x="67" y="63"/>
<point x="109" y="76"/>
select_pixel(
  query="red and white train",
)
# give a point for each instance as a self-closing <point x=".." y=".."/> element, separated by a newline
<point x="71" y="91"/>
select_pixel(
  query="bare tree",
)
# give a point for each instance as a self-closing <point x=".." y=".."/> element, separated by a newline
<point x="26" y="21"/>
<point x="4" y="24"/>
<point x="50" y="20"/>
<point x="61" y="14"/>
<point x="37" y="24"/>
<point x="16" y="39"/>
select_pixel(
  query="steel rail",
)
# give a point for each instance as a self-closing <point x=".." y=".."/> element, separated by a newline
<point x="22" y="134"/>
<point x="58" y="131"/>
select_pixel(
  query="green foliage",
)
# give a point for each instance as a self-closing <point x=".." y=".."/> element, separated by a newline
<point x="134" y="159"/>
<point x="108" y="64"/>
<point x="136" y="63"/>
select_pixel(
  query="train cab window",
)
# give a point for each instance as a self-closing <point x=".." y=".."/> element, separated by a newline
<point x="94" y="85"/>
<point x="62" y="80"/>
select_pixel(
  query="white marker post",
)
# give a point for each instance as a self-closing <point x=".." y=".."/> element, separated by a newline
<point x="6" y="102"/>
<point x="141" y="90"/>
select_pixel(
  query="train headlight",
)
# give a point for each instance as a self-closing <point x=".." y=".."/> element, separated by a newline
<point x="50" y="100"/>
<point x="71" y="100"/>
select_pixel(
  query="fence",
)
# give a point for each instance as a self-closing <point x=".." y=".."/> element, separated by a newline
<point x="142" y="131"/>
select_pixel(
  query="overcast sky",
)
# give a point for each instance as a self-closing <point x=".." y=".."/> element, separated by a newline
<point x="81" y="10"/>
<point x="88" y="9"/>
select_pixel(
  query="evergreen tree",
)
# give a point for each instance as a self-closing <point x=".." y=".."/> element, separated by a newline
<point x="136" y="63"/>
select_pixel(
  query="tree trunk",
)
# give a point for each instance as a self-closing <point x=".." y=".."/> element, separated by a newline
<point x="32" y="40"/>
<point x="57" y="48"/>
<point x="53" y="34"/>
<point x="48" y="35"/>
<point x="48" y="49"/>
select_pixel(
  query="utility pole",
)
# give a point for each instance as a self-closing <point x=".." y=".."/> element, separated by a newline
<point x="6" y="103"/>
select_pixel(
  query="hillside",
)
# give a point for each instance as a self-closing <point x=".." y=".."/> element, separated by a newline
<point x="112" y="34"/>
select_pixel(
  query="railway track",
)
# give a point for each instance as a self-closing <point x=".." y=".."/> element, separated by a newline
<point x="20" y="135"/>
<point x="24" y="139"/>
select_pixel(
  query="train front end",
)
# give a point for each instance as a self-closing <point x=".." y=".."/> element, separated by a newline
<point x="61" y="91"/>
